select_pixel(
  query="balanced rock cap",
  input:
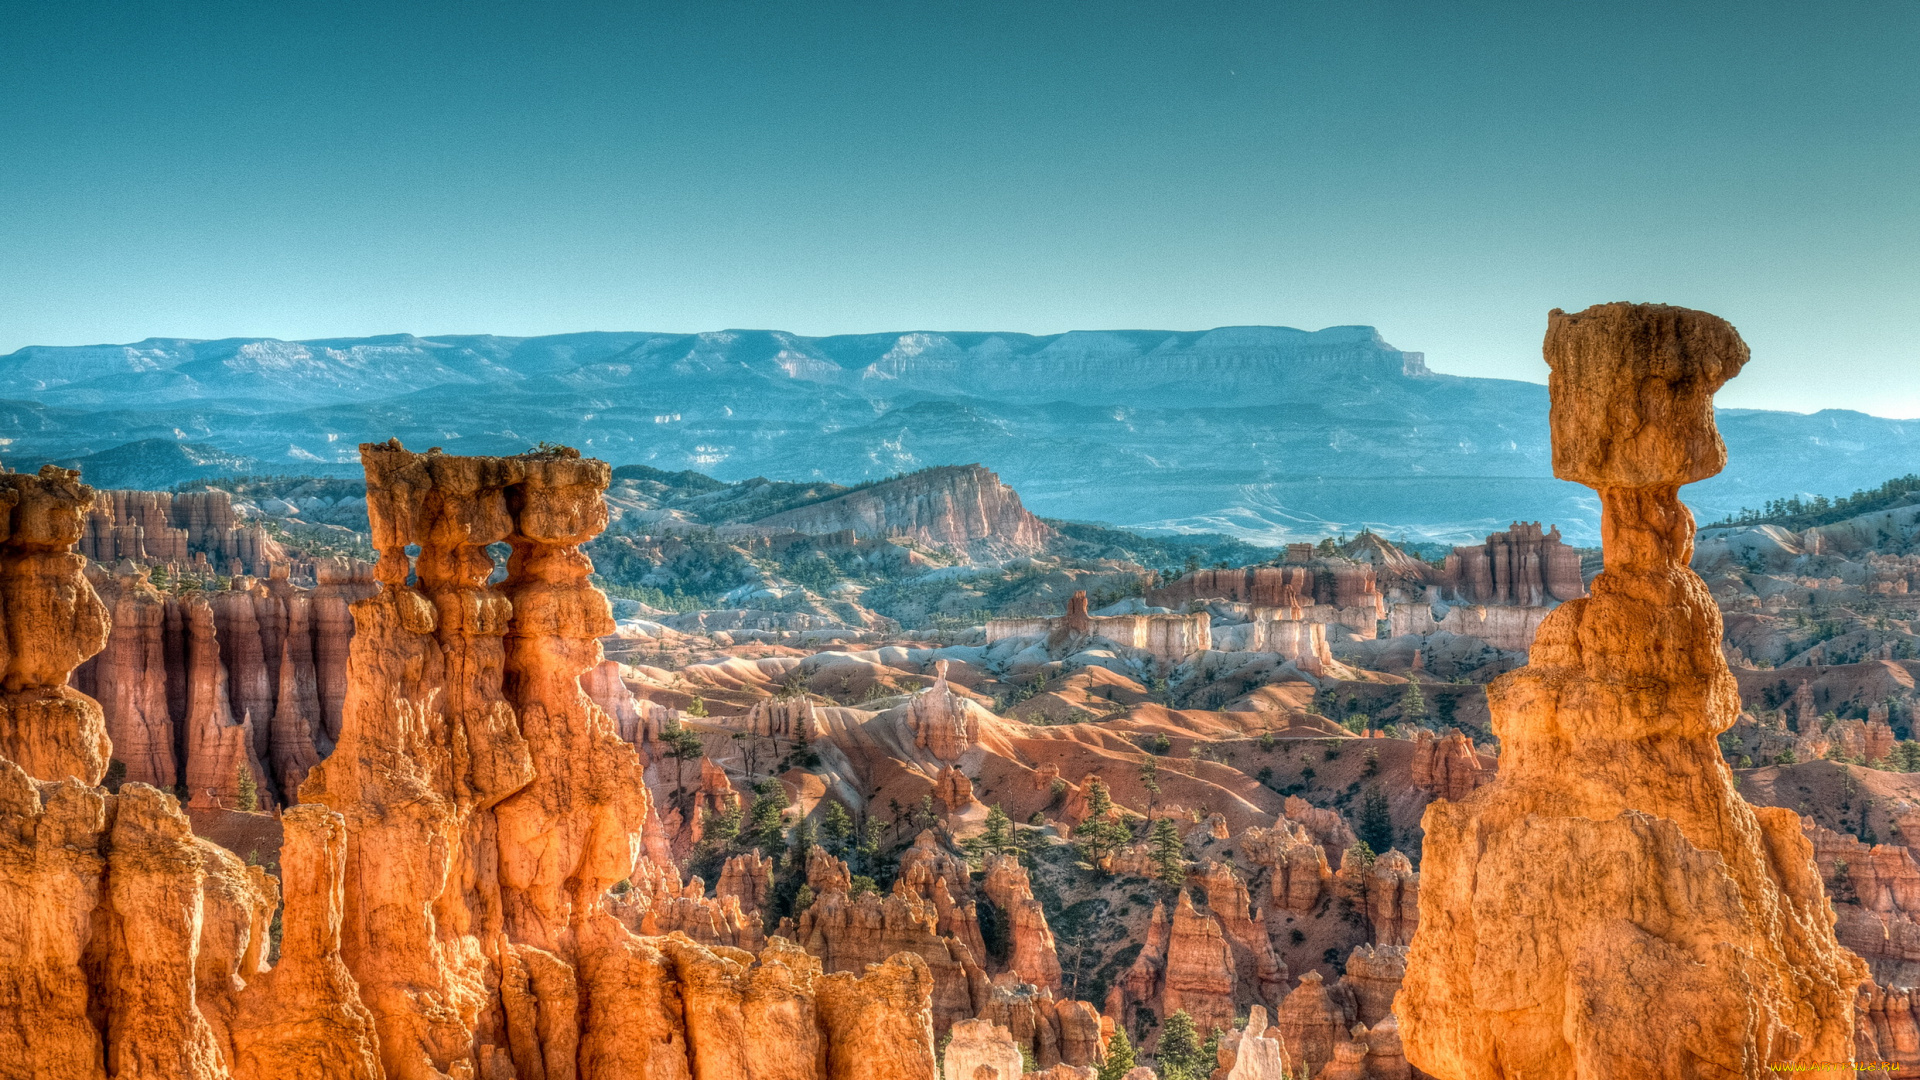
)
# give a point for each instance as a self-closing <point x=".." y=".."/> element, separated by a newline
<point x="1632" y="389"/>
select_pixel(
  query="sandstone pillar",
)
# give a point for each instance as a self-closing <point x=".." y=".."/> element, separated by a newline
<point x="50" y="622"/>
<point x="1608" y="907"/>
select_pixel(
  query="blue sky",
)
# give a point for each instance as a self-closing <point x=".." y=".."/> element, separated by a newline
<point x="1445" y="171"/>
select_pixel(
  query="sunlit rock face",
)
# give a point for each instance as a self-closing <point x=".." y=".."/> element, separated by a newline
<point x="51" y="622"/>
<point x="1608" y="906"/>
<point x="448" y="877"/>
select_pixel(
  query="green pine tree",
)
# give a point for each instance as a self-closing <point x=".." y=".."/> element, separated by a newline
<point x="802" y="844"/>
<point x="249" y="792"/>
<point x="1179" y="1050"/>
<point x="766" y="825"/>
<point x="1169" y="858"/>
<point x="836" y="825"/>
<point x="682" y="746"/>
<point x="1099" y="834"/>
<point x="996" y="839"/>
<point x="1376" y="823"/>
<point x="1210" y="1052"/>
<point x="1120" y="1060"/>
<point x="1413" y="704"/>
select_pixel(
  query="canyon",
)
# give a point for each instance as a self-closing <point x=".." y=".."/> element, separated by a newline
<point x="316" y="777"/>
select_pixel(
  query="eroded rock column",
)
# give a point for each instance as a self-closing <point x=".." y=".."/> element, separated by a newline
<point x="1609" y="907"/>
<point x="50" y="621"/>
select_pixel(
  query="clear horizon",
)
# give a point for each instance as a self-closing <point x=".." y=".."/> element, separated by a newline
<point x="1443" y="172"/>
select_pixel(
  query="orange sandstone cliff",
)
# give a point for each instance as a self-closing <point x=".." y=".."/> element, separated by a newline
<point x="447" y="909"/>
<point x="1608" y="907"/>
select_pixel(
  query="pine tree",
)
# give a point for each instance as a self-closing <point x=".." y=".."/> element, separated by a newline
<point x="1210" y="1052"/>
<point x="1179" y="1050"/>
<point x="721" y="827"/>
<point x="836" y="826"/>
<point x="1169" y="858"/>
<point x="866" y="847"/>
<point x="802" y="844"/>
<point x="1099" y="834"/>
<point x="1376" y="823"/>
<point x="1120" y="1060"/>
<point x="996" y="839"/>
<point x="1150" y="776"/>
<point x="249" y="792"/>
<point x="682" y="746"/>
<point x="1413" y="704"/>
<point x="766" y="819"/>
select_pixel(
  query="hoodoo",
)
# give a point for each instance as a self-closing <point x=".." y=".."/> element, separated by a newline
<point x="1609" y="907"/>
<point x="447" y="909"/>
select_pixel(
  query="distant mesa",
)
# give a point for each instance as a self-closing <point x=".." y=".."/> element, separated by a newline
<point x="1262" y="432"/>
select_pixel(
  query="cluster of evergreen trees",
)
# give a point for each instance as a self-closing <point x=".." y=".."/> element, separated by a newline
<point x="1797" y="513"/>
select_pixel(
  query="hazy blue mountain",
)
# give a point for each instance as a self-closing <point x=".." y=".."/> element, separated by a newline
<point x="1264" y="432"/>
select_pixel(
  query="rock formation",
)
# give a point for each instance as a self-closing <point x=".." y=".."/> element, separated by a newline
<point x="1187" y="962"/>
<point x="1521" y="567"/>
<point x="941" y="721"/>
<point x="1296" y="861"/>
<point x="1334" y="582"/>
<point x="1262" y="975"/>
<point x="952" y="790"/>
<point x="1311" y="1023"/>
<point x="1033" y="956"/>
<point x="1054" y="1031"/>
<point x="1609" y="907"/>
<point x="785" y="718"/>
<point x="160" y="528"/>
<point x="1373" y="975"/>
<point x="303" y="1018"/>
<point x="656" y="903"/>
<point x="848" y="932"/>
<point x="129" y="679"/>
<point x="1876" y="893"/>
<point x="1447" y="765"/>
<point x="51" y="621"/>
<point x="1326" y="826"/>
<point x="747" y="878"/>
<point x="1251" y="1053"/>
<point x="221" y="749"/>
<point x="449" y="912"/>
<point x="982" y="1050"/>
<point x="1387" y="891"/>
<point x="1167" y="638"/>
<point x="959" y="506"/>
<point x="274" y="647"/>
<point x="1510" y="628"/>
